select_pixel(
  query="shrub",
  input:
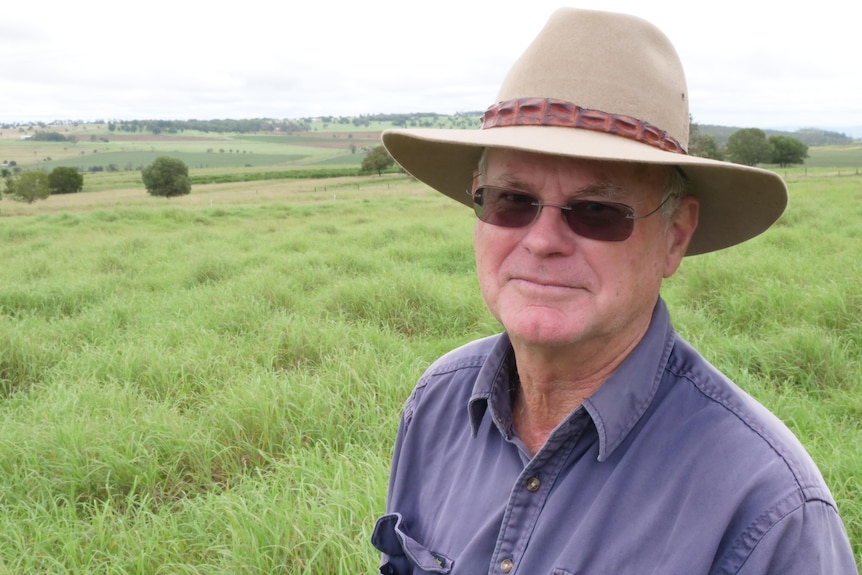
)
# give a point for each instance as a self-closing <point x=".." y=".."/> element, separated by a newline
<point x="167" y="177"/>
<point x="28" y="186"/>
<point x="65" y="180"/>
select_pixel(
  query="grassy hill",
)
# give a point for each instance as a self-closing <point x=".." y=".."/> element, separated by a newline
<point x="808" y="136"/>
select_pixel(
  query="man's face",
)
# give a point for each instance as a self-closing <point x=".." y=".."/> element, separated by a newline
<point x="548" y="286"/>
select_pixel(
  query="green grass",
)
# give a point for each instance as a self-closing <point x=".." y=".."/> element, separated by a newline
<point x="836" y="157"/>
<point x="211" y="384"/>
<point x="134" y="161"/>
<point x="199" y="157"/>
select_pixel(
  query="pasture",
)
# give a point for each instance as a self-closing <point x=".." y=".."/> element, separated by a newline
<point x="97" y="149"/>
<point x="94" y="147"/>
<point x="212" y="383"/>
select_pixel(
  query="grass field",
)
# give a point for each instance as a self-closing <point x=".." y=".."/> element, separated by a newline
<point x="211" y="384"/>
<point x="840" y="157"/>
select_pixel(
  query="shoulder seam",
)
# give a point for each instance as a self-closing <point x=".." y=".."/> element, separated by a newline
<point x="805" y="489"/>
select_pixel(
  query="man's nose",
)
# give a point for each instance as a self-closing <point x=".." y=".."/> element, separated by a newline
<point x="549" y="233"/>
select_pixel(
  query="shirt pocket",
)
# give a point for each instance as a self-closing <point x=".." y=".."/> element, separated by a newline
<point x="403" y="555"/>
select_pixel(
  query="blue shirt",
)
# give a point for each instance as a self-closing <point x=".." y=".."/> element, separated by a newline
<point x="668" y="468"/>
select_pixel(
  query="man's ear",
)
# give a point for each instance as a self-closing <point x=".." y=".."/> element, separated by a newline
<point x="679" y="233"/>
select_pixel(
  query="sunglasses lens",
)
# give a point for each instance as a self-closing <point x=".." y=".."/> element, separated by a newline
<point x="603" y="221"/>
<point x="506" y="208"/>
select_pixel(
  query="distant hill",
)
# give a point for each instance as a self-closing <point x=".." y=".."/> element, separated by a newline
<point x="808" y="136"/>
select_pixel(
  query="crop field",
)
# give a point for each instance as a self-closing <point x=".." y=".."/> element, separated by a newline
<point x="97" y="148"/>
<point x="326" y="143"/>
<point x="212" y="383"/>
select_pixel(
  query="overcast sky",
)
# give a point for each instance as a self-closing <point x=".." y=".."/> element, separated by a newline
<point x="751" y="63"/>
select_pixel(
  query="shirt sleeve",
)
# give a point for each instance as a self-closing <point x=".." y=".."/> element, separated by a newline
<point x="811" y="540"/>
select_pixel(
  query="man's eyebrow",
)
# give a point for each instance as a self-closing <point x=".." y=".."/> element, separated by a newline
<point x="603" y="189"/>
<point x="505" y="180"/>
<point x="607" y="190"/>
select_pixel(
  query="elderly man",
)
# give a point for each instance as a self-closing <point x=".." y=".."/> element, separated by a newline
<point x="589" y="438"/>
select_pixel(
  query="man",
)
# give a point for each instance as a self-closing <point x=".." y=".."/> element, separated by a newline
<point x="589" y="438"/>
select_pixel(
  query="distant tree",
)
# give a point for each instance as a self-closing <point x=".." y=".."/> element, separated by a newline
<point x="749" y="147"/>
<point x="48" y="137"/>
<point x="705" y="146"/>
<point x="64" y="180"/>
<point x="377" y="160"/>
<point x="27" y="186"/>
<point x="818" y="137"/>
<point x="6" y="183"/>
<point x="167" y="177"/>
<point x="787" y="150"/>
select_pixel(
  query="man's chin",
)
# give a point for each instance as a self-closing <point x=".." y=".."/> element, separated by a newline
<point x="541" y="331"/>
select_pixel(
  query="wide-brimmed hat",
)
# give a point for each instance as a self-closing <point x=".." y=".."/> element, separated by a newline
<point x="603" y="86"/>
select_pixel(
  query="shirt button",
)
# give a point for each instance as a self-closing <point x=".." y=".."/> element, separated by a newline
<point x="506" y="565"/>
<point x="533" y="484"/>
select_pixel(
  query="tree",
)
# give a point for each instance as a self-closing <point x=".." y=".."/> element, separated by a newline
<point x="705" y="146"/>
<point x="377" y="160"/>
<point x="27" y="186"/>
<point x="63" y="180"/>
<point x="48" y="137"/>
<point x="787" y="150"/>
<point x="748" y="147"/>
<point x="702" y="145"/>
<point x="7" y="181"/>
<point x="167" y="177"/>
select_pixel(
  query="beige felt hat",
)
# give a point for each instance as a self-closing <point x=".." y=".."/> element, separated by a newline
<point x="603" y="86"/>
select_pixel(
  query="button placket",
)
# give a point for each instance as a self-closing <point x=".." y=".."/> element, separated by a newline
<point x="529" y="498"/>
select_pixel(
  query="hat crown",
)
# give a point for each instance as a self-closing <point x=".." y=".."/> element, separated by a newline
<point x="604" y="87"/>
<point x="614" y="63"/>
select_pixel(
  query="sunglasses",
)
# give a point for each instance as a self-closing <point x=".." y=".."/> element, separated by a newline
<point x="592" y="219"/>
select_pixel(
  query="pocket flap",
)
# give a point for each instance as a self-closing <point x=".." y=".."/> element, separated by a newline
<point x="390" y="538"/>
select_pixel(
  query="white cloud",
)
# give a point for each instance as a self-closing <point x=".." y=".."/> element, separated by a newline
<point x="764" y="63"/>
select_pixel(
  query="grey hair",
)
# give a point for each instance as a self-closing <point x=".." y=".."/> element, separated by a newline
<point x="482" y="166"/>
<point x="676" y="186"/>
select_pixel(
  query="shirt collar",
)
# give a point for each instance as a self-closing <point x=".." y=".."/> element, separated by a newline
<point x="615" y="407"/>
<point x="618" y="404"/>
<point x="493" y="386"/>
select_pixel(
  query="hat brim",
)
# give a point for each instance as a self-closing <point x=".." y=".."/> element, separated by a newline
<point x="736" y="202"/>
